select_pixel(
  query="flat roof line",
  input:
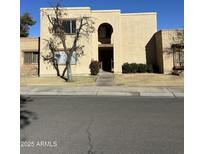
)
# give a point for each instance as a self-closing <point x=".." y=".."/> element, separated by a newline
<point x="68" y="8"/>
<point x="29" y="37"/>
<point x="102" y="11"/>
<point x="141" y="13"/>
<point x="174" y="29"/>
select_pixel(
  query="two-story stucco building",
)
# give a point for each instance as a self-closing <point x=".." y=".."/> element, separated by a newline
<point x="118" y="38"/>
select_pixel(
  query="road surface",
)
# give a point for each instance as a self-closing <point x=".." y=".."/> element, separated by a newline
<point x="102" y="125"/>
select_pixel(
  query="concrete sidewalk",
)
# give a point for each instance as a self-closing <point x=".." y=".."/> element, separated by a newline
<point x="105" y="79"/>
<point x="103" y="91"/>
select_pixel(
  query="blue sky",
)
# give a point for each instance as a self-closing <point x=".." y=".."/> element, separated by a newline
<point x="170" y="13"/>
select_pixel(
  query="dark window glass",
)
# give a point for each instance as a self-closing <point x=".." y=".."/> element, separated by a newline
<point x="61" y="57"/>
<point x="103" y="32"/>
<point x="66" y="26"/>
<point x="73" y="26"/>
<point x="179" y="58"/>
<point x="27" y="57"/>
<point x="30" y="57"/>
<point x="35" y="57"/>
<point x="69" y="26"/>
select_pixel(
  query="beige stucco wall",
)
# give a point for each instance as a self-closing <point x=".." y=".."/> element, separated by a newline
<point x="151" y="51"/>
<point x="28" y="45"/>
<point x="82" y="66"/>
<point x="159" y="51"/>
<point x="169" y="37"/>
<point x="111" y="17"/>
<point x="164" y="40"/>
<point x="131" y="33"/>
<point x="136" y="31"/>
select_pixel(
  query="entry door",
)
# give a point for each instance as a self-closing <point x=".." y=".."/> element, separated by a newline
<point x="106" y="58"/>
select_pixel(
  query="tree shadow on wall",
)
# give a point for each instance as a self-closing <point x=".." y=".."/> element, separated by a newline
<point x="26" y="116"/>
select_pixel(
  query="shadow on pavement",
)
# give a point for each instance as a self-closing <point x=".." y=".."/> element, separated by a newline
<point x="26" y="116"/>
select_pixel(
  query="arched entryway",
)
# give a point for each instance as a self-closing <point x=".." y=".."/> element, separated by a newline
<point x="105" y="47"/>
<point x="105" y="31"/>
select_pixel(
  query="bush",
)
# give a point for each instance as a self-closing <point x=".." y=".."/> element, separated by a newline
<point x="94" y="67"/>
<point x="136" y="68"/>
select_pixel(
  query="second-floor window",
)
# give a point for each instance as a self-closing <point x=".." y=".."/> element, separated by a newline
<point x="69" y="26"/>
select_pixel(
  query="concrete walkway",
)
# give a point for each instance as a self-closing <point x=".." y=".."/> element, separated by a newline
<point x="105" y="79"/>
<point x="103" y="91"/>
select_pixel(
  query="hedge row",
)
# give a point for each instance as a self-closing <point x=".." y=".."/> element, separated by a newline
<point x="136" y="68"/>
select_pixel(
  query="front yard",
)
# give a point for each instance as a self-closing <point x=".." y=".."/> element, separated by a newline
<point x="130" y="80"/>
<point x="77" y="81"/>
<point x="148" y="79"/>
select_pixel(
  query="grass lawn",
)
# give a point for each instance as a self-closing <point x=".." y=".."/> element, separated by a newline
<point x="148" y="79"/>
<point x="130" y="80"/>
<point x="77" y="81"/>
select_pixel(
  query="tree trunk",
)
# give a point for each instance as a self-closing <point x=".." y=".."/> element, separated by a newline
<point x="65" y="69"/>
<point x="57" y="70"/>
<point x="69" y="73"/>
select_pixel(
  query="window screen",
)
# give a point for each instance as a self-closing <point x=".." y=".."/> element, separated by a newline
<point x="61" y="57"/>
<point x="69" y="26"/>
<point x="31" y="57"/>
<point x="66" y="26"/>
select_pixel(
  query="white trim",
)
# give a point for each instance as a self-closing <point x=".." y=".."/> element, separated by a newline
<point x="143" y="13"/>
<point x="67" y="8"/>
<point x="104" y="11"/>
<point x="101" y="11"/>
<point x="180" y="29"/>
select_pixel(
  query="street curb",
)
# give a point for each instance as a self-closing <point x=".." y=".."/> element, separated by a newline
<point x="104" y="93"/>
<point x="90" y="93"/>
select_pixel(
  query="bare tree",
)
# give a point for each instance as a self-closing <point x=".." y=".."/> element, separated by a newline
<point x="176" y="49"/>
<point x="175" y="38"/>
<point x="180" y="37"/>
<point x="84" y="28"/>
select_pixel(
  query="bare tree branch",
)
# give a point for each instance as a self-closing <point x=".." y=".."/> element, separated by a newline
<point x="84" y="27"/>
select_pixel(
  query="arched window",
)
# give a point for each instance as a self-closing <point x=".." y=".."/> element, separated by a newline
<point x="104" y="33"/>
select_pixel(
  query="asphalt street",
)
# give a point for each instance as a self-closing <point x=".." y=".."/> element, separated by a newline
<point x="102" y="125"/>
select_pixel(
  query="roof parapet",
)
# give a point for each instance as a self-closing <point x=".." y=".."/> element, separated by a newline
<point x="67" y="8"/>
<point x="105" y="11"/>
<point x="141" y="13"/>
<point x="27" y="38"/>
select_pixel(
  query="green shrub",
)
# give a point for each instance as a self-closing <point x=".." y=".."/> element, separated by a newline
<point x="126" y="68"/>
<point x="136" y="68"/>
<point x="94" y="67"/>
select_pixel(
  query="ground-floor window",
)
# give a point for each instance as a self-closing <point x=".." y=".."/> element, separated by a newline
<point x="178" y="56"/>
<point x="31" y="57"/>
<point x="61" y="57"/>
